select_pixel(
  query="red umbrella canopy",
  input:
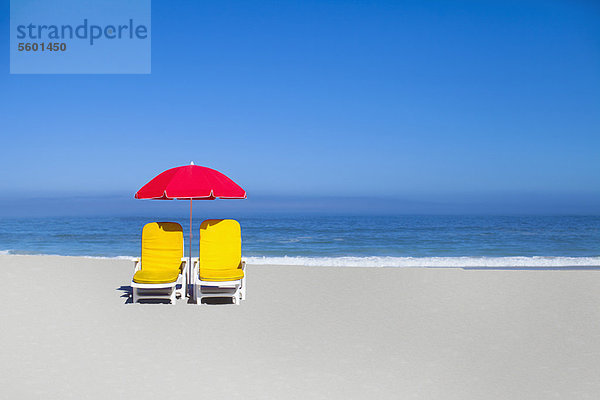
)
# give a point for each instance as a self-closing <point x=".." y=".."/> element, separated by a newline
<point x="191" y="182"/>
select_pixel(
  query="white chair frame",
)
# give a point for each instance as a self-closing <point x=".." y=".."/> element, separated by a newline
<point x="159" y="291"/>
<point x="204" y="289"/>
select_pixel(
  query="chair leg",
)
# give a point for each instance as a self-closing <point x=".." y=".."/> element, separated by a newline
<point x="194" y="294"/>
<point x="243" y="291"/>
<point x="183" y="290"/>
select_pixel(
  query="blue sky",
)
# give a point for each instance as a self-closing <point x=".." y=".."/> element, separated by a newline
<point x="429" y="102"/>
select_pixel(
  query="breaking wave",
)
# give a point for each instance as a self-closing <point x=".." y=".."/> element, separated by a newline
<point x="460" y="262"/>
<point x="379" y="261"/>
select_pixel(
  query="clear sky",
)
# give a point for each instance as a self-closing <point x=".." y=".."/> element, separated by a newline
<point x="418" y="101"/>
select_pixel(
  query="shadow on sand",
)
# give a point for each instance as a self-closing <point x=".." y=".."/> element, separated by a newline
<point x="127" y="292"/>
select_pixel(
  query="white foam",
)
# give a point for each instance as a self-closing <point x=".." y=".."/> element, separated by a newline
<point x="377" y="261"/>
<point x="15" y="253"/>
<point x="459" y="262"/>
<point x="128" y="258"/>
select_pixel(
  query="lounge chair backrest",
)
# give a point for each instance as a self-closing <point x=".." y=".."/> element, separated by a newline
<point x="220" y="244"/>
<point x="162" y="246"/>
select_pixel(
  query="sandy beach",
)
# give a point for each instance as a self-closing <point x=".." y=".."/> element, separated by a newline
<point x="303" y="332"/>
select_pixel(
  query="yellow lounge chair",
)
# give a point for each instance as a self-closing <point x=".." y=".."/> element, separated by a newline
<point x="162" y="266"/>
<point x="219" y="271"/>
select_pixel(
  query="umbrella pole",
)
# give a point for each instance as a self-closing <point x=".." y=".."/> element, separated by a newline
<point x="189" y="278"/>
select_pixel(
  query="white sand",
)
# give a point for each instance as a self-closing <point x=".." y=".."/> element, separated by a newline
<point x="303" y="333"/>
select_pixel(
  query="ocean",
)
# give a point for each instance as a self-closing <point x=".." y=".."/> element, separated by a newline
<point x="394" y="241"/>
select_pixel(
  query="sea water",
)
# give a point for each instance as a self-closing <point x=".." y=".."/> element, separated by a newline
<point x="394" y="241"/>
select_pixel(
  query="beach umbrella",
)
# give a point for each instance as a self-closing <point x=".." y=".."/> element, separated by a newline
<point x="190" y="182"/>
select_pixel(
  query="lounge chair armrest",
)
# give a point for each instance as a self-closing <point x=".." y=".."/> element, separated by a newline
<point x="137" y="265"/>
<point x="194" y="266"/>
<point x="184" y="264"/>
